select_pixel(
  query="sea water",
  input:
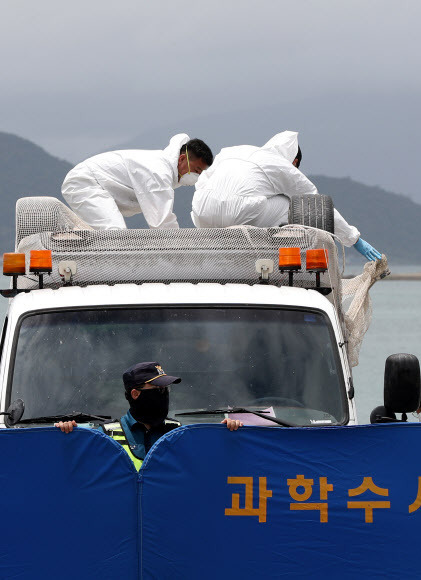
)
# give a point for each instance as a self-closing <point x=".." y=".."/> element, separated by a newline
<point x="395" y="327"/>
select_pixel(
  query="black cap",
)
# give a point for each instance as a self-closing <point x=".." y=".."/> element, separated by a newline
<point x="150" y="373"/>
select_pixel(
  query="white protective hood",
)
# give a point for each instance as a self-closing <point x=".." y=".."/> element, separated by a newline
<point x="284" y="144"/>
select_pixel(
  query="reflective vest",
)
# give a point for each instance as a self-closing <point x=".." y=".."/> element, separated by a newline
<point x="115" y="431"/>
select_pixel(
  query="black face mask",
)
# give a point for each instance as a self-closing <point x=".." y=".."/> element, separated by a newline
<point x="151" y="406"/>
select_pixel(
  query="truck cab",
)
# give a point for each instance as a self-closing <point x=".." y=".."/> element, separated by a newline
<point x="271" y="349"/>
<point x="251" y="319"/>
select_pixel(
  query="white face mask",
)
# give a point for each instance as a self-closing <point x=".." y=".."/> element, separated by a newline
<point x="188" y="179"/>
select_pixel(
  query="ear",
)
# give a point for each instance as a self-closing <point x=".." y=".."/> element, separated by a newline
<point x="134" y="394"/>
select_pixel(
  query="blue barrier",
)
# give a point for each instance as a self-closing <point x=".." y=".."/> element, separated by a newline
<point x="272" y="503"/>
<point x="257" y="503"/>
<point x="68" y="505"/>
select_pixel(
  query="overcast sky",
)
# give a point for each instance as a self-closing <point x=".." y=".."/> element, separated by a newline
<point x="87" y="75"/>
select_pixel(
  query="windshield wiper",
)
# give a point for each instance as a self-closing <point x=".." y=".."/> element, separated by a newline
<point x="66" y="417"/>
<point x="237" y="410"/>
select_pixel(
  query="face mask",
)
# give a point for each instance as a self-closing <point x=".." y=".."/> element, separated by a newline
<point x="188" y="178"/>
<point x="151" y="406"/>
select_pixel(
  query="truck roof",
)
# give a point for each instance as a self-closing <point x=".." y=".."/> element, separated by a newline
<point x="213" y="255"/>
<point x="174" y="293"/>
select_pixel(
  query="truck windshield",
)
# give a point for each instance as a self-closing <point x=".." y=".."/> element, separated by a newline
<point x="284" y="361"/>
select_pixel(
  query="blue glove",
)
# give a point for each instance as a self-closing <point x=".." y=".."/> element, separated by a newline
<point x="367" y="251"/>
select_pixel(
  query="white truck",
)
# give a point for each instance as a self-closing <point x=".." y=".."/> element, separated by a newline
<point x="246" y="322"/>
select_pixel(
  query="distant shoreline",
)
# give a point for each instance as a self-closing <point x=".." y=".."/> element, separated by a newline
<point x="414" y="276"/>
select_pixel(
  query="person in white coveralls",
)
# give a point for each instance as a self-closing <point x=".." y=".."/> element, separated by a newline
<point x="249" y="185"/>
<point x="108" y="186"/>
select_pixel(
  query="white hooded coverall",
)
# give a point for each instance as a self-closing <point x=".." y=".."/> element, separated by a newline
<point x="249" y="185"/>
<point x="108" y="186"/>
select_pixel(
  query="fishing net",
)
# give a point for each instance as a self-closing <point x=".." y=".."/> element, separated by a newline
<point x="357" y="305"/>
<point x="158" y="255"/>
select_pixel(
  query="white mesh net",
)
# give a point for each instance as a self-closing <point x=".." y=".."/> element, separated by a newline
<point x="357" y="306"/>
<point x="187" y="255"/>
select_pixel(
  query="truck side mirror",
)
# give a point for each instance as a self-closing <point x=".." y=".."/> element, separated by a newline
<point x="402" y="388"/>
<point x="14" y="412"/>
<point x="402" y="383"/>
<point x="382" y="415"/>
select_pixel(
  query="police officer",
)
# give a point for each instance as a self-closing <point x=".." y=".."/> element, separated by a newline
<point x="146" y="388"/>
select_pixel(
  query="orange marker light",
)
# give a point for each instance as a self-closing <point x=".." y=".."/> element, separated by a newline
<point x="289" y="258"/>
<point x="41" y="261"/>
<point x="13" y="264"/>
<point x="317" y="260"/>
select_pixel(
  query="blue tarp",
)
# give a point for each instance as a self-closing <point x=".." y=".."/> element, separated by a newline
<point x="349" y="518"/>
<point x="208" y="503"/>
<point x="68" y="506"/>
